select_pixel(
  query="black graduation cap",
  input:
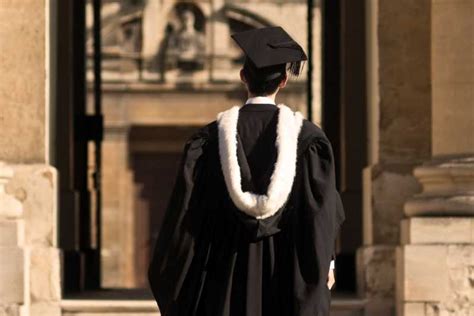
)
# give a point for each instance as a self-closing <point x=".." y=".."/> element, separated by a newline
<point x="270" y="46"/>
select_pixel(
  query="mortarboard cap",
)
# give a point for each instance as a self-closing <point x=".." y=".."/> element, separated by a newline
<point x="270" y="46"/>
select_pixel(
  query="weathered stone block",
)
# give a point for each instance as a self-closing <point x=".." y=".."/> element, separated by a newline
<point x="432" y="309"/>
<point x="45" y="283"/>
<point x="436" y="230"/>
<point x="11" y="233"/>
<point x="412" y="309"/>
<point x="11" y="275"/>
<point x="385" y="193"/>
<point x="45" y="309"/>
<point x="440" y="275"/>
<point x="423" y="273"/>
<point x="472" y="230"/>
<point x="376" y="271"/>
<point x="460" y="262"/>
<point x="36" y="186"/>
<point x="10" y="310"/>
<point x="10" y="208"/>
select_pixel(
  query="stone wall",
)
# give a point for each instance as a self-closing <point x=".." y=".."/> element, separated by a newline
<point x="30" y="277"/>
<point x="22" y="81"/>
<point x="435" y="267"/>
<point x="30" y="260"/>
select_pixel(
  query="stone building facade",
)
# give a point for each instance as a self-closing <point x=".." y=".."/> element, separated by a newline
<point x="168" y="68"/>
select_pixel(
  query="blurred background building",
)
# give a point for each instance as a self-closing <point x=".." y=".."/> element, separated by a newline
<point x="98" y="97"/>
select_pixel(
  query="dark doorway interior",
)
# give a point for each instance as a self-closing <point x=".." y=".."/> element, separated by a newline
<point x="155" y="156"/>
<point x="344" y="120"/>
<point x="154" y="174"/>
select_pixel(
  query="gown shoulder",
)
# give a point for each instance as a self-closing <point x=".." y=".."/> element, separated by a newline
<point x="318" y="165"/>
<point x="310" y="133"/>
<point x="207" y="131"/>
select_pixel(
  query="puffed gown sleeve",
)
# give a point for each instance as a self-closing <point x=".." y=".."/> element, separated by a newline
<point x="176" y="252"/>
<point x="319" y="224"/>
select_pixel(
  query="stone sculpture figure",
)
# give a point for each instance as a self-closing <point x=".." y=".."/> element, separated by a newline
<point x="186" y="47"/>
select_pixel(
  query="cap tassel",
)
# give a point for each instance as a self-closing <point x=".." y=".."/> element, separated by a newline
<point x="296" y="67"/>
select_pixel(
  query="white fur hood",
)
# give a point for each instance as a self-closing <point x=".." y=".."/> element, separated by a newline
<point x="281" y="182"/>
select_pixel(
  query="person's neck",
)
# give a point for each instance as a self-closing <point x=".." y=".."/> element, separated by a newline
<point x="260" y="100"/>
<point x="270" y="96"/>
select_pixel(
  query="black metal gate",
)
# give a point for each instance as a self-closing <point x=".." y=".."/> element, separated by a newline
<point x="78" y="137"/>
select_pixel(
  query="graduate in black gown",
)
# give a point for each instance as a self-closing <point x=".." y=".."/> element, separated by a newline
<point x="251" y="224"/>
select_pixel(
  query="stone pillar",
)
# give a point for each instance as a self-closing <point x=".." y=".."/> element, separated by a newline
<point x="316" y="79"/>
<point x="399" y="133"/>
<point x="118" y="233"/>
<point x="30" y="276"/>
<point x="220" y="40"/>
<point x="435" y="261"/>
<point x="29" y="257"/>
<point x="35" y="186"/>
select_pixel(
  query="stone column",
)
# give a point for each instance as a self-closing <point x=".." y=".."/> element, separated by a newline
<point x="35" y="186"/>
<point x="29" y="257"/>
<point x="399" y="133"/>
<point x="220" y="39"/>
<point x="118" y="234"/>
<point x="435" y="261"/>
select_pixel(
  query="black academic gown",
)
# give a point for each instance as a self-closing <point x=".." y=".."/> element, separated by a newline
<point x="211" y="259"/>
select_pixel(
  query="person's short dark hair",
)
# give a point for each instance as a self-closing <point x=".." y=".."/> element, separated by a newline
<point x="263" y="81"/>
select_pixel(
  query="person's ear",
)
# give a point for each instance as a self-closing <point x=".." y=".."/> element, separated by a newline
<point x="242" y="76"/>
<point x="283" y="82"/>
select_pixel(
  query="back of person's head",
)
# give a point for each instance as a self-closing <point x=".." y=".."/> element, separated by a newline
<point x="263" y="81"/>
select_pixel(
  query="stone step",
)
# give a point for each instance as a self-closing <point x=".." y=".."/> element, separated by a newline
<point x="110" y="307"/>
<point x="90" y="307"/>
<point x="347" y="306"/>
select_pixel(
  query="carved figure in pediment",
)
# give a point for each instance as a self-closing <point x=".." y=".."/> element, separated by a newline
<point x="186" y="47"/>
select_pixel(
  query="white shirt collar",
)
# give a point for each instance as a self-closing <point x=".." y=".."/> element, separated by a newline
<point x="260" y="100"/>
